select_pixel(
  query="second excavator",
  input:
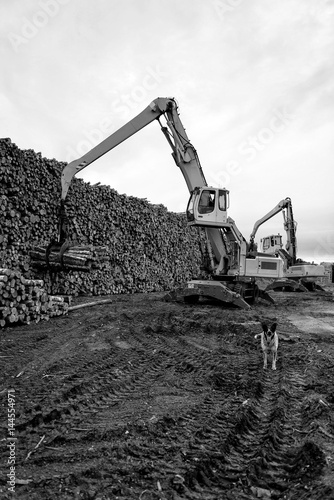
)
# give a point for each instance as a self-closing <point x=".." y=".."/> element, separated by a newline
<point x="298" y="275"/>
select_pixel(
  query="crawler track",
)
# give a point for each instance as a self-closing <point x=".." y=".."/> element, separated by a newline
<point x="153" y="400"/>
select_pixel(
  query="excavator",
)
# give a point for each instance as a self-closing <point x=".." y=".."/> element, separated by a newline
<point x="230" y="274"/>
<point x="298" y="275"/>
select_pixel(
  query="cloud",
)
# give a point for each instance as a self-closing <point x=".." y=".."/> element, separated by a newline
<point x="86" y="70"/>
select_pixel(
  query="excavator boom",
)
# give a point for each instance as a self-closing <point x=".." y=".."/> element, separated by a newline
<point x="183" y="151"/>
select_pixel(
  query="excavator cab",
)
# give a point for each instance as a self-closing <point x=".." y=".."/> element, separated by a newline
<point x="208" y="206"/>
<point x="271" y="244"/>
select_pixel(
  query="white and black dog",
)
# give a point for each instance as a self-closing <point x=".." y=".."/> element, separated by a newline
<point x="269" y="343"/>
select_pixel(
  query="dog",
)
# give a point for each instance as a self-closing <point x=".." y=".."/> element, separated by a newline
<point x="269" y="343"/>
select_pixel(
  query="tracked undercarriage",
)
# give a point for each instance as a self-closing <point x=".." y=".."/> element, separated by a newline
<point x="295" y="285"/>
<point x="240" y="293"/>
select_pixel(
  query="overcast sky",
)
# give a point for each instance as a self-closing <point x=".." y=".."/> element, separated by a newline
<point x="254" y="81"/>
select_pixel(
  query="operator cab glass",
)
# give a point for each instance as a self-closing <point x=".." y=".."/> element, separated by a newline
<point x="278" y="240"/>
<point x="207" y="200"/>
<point x="208" y="207"/>
<point x="272" y="243"/>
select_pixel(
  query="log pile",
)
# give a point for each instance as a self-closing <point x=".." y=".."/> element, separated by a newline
<point x="25" y="300"/>
<point x="131" y="245"/>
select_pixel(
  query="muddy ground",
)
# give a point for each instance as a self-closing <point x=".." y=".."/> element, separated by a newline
<point x="147" y="399"/>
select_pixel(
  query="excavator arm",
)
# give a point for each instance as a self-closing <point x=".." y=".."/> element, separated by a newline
<point x="153" y="112"/>
<point x="290" y="226"/>
<point x="284" y="206"/>
<point x="183" y="152"/>
<point x="279" y="207"/>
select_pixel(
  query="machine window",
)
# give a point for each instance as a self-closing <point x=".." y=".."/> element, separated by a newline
<point x="222" y="201"/>
<point x="269" y="265"/>
<point x="206" y="202"/>
<point x="190" y="208"/>
<point x="266" y="244"/>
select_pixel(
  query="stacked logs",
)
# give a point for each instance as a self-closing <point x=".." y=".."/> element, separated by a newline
<point x="131" y="245"/>
<point x="76" y="258"/>
<point x="25" y="300"/>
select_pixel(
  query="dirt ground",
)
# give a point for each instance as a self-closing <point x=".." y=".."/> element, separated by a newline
<point x="147" y="399"/>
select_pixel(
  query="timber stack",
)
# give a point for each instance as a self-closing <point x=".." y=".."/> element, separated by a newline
<point x="76" y="258"/>
<point x="127" y="245"/>
<point x="25" y="300"/>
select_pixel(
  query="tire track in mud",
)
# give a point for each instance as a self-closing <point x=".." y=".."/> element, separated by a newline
<point x="202" y="410"/>
<point x="263" y="450"/>
<point x="186" y="432"/>
<point x="106" y="384"/>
